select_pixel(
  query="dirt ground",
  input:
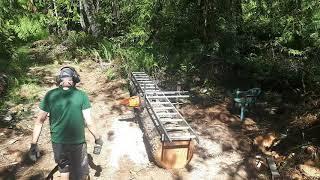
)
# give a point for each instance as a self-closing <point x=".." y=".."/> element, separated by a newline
<point x="223" y="152"/>
<point x="228" y="148"/>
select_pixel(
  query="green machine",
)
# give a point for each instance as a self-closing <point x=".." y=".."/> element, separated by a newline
<point x="245" y="99"/>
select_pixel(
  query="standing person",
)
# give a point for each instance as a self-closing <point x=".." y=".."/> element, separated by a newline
<point x="69" y="112"/>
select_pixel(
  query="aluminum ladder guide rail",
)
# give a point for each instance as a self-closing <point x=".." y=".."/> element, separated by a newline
<point x="162" y="118"/>
<point x="182" y="119"/>
<point x="162" y="129"/>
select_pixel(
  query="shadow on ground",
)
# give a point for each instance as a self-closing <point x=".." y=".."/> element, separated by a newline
<point x="10" y="171"/>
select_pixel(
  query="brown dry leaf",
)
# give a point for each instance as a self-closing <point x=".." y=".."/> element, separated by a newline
<point x="311" y="150"/>
<point x="296" y="176"/>
<point x="309" y="162"/>
<point x="310" y="171"/>
<point x="250" y="125"/>
<point x="265" y="141"/>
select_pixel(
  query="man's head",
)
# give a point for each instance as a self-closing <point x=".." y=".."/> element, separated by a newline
<point x="67" y="77"/>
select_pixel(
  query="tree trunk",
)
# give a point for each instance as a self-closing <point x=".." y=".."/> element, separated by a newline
<point x="205" y="21"/>
<point x="89" y="12"/>
<point x="115" y="16"/>
<point x="3" y="84"/>
<point x="96" y="4"/>
<point x="238" y="14"/>
<point x="31" y="6"/>
<point x="82" y="17"/>
<point x="55" y="10"/>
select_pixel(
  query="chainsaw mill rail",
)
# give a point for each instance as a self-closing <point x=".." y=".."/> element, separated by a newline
<point x="168" y="120"/>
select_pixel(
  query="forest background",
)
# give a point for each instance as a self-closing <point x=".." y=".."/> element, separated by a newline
<point x="211" y="47"/>
<point x="207" y="44"/>
<point x="270" y="44"/>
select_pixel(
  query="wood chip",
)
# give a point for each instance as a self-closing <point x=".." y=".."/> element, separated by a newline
<point x="310" y="171"/>
<point x="7" y="165"/>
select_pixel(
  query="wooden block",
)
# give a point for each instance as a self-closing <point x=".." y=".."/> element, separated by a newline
<point x="176" y="154"/>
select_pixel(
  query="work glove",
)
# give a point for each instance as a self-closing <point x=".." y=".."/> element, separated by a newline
<point x="98" y="146"/>
<point x="34" y="152"/>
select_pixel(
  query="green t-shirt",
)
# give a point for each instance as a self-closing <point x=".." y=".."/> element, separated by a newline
<point x="66" y="118"/>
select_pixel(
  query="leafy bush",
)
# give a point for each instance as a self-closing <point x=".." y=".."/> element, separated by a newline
<point x="106" y="50"/>
<point x="6" y="48"/>
<point x="80" y="39"/>
<point x="137" y="59"/>
<point x="31" y="27"/>
<point x="110" y="74"/>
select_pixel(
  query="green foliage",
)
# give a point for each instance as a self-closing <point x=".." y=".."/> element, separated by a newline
<point x="22" y="87"/>
<point x="110" y="74"/>
<point x="277" y="41"/>
<point x="137" y="59"/>
<point x="127" y="20"/>
<point x="6" y="35"/>
<point x="31" y="28"/>
<point x="6" y="46"/>
<point x="28" y="92"/>
<point x="79" y="39"/>
<point x="284" y="33"/>
<point x="106" y="50"/>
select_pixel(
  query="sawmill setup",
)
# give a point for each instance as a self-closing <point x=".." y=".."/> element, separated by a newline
<point x="170" y="138"/>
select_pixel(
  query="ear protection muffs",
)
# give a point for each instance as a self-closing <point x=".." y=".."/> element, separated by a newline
<point x="75" y="75"/>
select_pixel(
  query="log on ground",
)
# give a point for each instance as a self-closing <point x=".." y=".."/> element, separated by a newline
<point x="169" y="155"/>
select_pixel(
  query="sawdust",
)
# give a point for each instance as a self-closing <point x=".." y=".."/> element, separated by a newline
<point x="127" y="142"/>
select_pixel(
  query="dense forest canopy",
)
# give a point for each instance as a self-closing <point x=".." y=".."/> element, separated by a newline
<point x="271" y="44"/>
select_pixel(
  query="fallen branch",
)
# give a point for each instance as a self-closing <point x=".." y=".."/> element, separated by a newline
<point x="273" y="168"/>
<point x="11" y="164"/>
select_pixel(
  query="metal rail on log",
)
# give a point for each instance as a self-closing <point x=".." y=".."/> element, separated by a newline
<point x="170" y="122"/>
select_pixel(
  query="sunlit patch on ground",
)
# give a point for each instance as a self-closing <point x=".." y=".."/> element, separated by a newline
<point x="127" y="142"/>
<point x="211" y="160"/>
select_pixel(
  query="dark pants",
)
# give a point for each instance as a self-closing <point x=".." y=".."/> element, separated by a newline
<point x="72" y="158"/>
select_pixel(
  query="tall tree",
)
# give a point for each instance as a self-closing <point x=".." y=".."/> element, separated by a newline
<point x="90" y="8"/>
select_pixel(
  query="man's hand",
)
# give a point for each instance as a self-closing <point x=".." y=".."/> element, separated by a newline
<point x="98" y="146"/>
<point x="34" y="152"/>
<point x="99" y="141"/>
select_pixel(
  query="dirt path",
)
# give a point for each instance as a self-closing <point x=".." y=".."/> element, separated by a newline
<point x="223" y="153"/>
<point x="124" y="154"/>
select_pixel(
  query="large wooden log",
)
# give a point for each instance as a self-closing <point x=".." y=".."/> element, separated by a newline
<point x="169" y="155"/>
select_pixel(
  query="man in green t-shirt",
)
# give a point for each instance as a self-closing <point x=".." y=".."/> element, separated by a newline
<point x="69" y="112"/>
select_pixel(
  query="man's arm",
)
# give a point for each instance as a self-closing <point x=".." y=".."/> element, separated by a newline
<point x="90" y="123"/>
<point x="38" y="122"/>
